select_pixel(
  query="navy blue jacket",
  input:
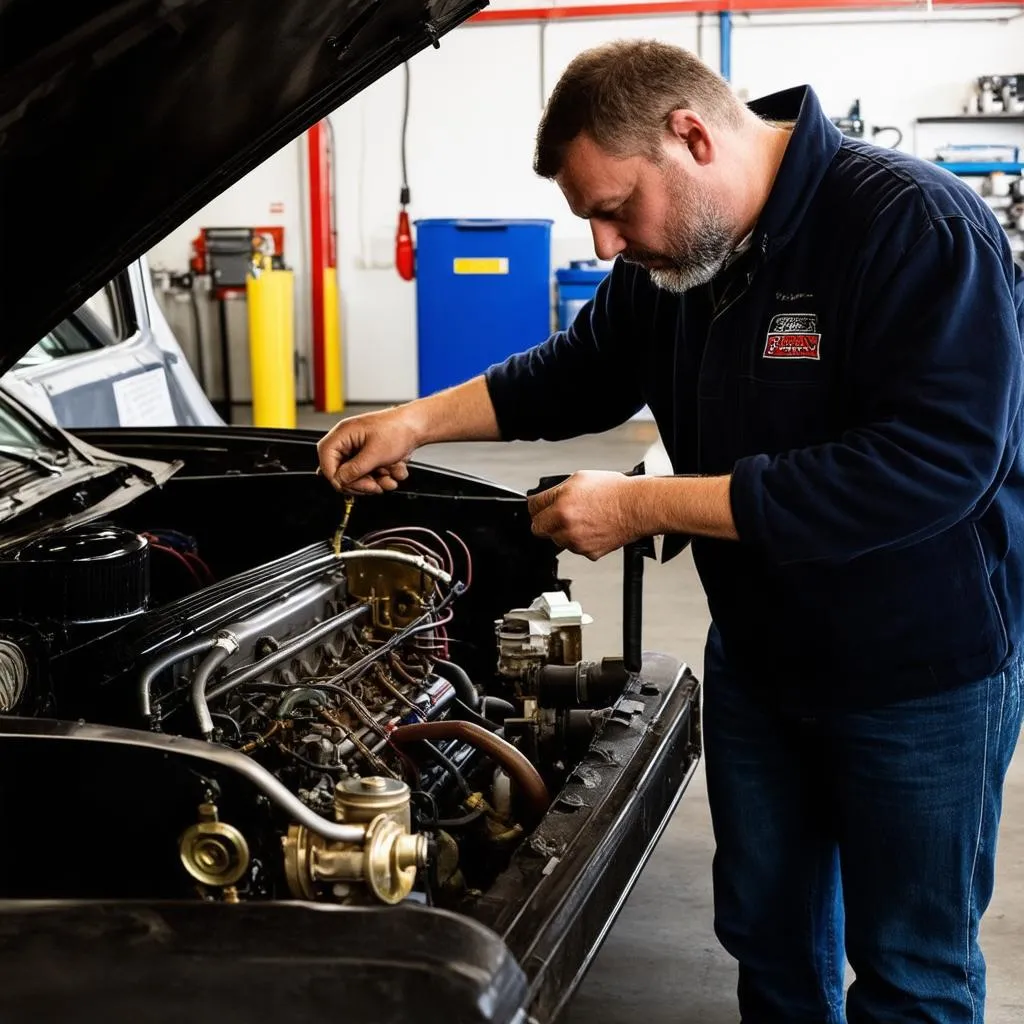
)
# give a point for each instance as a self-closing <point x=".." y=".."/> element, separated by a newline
<point x="859" y="373"/>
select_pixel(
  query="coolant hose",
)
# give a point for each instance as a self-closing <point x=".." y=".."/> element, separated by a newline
<point x="224" y="645"/>
<point x="456" y="675"/>
<point x="510" y="758"/>
<point x="187" y="649"/>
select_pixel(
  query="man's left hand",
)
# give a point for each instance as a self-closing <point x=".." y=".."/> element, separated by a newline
<point x="592" y="513"/>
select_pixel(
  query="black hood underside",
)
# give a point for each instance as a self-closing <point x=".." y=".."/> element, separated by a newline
<point x="119" y="120"/>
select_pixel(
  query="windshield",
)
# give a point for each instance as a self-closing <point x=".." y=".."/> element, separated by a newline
<point x="18" y="431"/>
<point x="98" y="323"/>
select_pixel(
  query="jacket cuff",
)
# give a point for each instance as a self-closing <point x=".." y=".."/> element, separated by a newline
<point x="503" y="398"/>
<point x="746" y="492"/>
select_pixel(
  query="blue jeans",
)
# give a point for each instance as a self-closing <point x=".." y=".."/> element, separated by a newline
<point x="869" y="833"/>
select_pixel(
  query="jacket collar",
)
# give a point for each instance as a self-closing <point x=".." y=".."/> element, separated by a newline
<point x="814" y="143"/>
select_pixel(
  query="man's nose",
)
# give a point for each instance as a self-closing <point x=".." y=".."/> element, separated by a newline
<point x="608" y="243"/>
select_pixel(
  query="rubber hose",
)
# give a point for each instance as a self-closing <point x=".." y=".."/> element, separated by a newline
<point x="456" y="675"/>
<point x="510" y="758"/>
<point x="465" y="714"/>
<point x="506" y="709"/>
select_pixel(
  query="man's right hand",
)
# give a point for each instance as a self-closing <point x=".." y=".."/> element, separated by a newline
<point x="368" y="454"/>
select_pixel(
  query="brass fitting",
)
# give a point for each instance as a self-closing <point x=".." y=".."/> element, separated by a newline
<point x="386" y="861"/>
<point x="213" y="852"/>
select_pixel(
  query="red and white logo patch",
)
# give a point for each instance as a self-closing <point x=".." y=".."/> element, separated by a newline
<point x="793" y="336"/>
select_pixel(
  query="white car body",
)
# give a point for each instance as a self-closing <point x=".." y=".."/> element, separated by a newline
<point x="129" y="370"/>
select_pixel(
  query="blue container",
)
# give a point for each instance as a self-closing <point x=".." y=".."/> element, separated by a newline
<point x="483" y="292"/>
<point x="577" y="284"/>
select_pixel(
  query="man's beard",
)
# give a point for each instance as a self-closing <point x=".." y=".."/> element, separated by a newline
<point x="697" y="250"/>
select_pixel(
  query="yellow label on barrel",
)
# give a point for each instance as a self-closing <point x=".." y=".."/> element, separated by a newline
<point x="480" y="264"/>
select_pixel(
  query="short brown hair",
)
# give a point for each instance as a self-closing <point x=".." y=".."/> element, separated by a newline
<point x="622" y="93"/>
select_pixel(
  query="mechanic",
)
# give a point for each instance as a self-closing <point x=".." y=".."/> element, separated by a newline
<point x="829" y="336"/>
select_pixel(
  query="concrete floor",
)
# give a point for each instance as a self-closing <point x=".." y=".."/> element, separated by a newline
<point x="661" y="962"/>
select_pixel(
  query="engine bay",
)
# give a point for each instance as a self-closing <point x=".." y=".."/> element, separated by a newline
<point x="314" y="727"/>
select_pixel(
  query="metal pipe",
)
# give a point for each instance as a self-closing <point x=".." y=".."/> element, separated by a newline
<point x="180" y="746"/>
<point x="223" y="647"/>
<point x="287" y="650"/>
<point x="725" y="44"/>
<point x="398" y="556"/>
<point x="606" y="11"/>
<point x="181" y="651"/>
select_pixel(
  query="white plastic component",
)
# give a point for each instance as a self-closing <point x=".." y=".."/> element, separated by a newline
<point x="501" y="793"/>
<point x="551" y="609"/>
<point x="550" y="630"/>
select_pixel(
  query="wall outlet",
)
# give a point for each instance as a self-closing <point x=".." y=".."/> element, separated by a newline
<point x="380" y="252"/>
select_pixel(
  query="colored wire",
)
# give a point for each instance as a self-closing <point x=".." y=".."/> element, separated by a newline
<point x="469" y="557"/>
<point x="195" y="560"/>
<point x="179" y="556"/>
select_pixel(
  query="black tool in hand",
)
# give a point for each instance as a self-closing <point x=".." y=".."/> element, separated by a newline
<point x="633" y="555"/>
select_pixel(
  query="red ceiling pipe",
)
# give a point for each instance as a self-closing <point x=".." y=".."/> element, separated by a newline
<point x="666" y="7"/>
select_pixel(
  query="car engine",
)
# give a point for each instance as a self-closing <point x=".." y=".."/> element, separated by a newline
<point x="377" y="769"/>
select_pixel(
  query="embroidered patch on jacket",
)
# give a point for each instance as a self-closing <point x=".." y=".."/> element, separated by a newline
<point x="793" y="336"/>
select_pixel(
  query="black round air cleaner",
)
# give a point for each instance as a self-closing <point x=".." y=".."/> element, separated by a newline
<point x="92" y="573"/>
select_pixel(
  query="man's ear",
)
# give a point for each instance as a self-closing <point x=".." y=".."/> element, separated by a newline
<point x="689" y="129"/>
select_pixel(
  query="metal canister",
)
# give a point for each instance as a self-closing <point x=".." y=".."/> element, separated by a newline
<point x="362" y="800"/>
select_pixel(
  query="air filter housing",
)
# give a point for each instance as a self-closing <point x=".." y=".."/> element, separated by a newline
<point x="92" y="573"/>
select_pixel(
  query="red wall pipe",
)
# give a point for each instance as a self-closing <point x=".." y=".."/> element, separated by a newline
<point x="665" y="7"/>
<point x="319" y="221"/>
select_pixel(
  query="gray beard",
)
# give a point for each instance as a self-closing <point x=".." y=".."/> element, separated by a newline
<point x="695" y="261"/>
<point x="681" y="279"/>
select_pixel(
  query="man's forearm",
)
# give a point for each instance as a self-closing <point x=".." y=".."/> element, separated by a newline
<point x="699" y="506"/>
<point x="461" y="413"/>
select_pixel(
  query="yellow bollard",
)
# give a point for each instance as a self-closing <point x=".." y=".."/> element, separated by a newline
<point x="272" y="345"/>
<point x="334" y="393"/>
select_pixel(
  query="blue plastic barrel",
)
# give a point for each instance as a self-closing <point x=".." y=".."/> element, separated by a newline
<point x="577" y="284"/>
<point x="483" y="292"/>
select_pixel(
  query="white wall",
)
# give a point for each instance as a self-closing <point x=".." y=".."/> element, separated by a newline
<point x="473" y="113"/>
<point x="277" y="184"/>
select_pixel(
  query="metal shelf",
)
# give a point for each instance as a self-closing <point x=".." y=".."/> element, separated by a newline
<point x="966" y="168"/>
<point x="974" y="118"/>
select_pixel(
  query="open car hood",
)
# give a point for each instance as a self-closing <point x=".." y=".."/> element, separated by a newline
<point x="119" y="119"/>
